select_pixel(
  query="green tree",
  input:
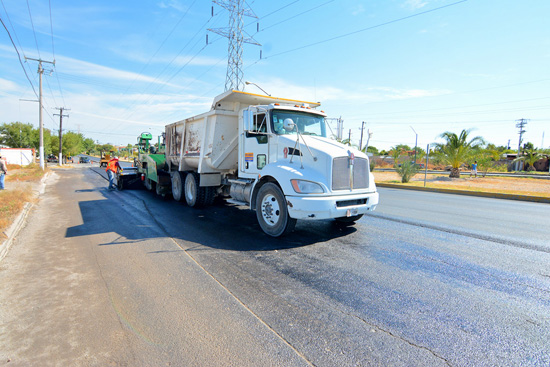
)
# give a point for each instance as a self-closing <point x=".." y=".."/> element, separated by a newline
<point x="403" y="147"/>
<point x="72" y="144"/>
<point x="486" y="158"/>
<point x="19" y="135"/>
<point x="529" y="146"/>
<point x="529" y="157"/>
<point x="88" y="145"/>
<point x="457" y="149"/>
<point x="370" y="149"/>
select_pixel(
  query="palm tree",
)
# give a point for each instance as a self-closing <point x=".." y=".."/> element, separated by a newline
<point x="530" y="157"/>
<point x="457" y="149"/>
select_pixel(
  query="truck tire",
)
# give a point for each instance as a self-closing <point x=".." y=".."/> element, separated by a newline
<point x="159" y="191"/>
<point x="195" y="196"/>
<point x="272" y="212"/>
<point x="178" y="178"/>
<point x="149" y="184"/>
<point x="348" y="220"/>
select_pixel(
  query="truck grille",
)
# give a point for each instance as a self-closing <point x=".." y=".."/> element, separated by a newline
<point x="341" y="171"/>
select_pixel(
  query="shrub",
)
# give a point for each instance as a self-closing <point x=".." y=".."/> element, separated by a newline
<point x="406" y="171"/>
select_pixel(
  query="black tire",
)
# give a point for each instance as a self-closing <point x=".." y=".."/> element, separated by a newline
<point x="272" y="212"/>
<point x="149" y="184"/>
<point x="178" y="178"/>
<point x="119" y="182"/>
<point x="349" y="220"/>
<point x="195" y="196"/>
<point x="158" y="190"/>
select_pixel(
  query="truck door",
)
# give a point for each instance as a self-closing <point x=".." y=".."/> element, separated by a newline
<point x="256" y="143"/>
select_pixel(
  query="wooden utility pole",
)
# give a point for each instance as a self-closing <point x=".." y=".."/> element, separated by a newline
<point x="61" y="115"/>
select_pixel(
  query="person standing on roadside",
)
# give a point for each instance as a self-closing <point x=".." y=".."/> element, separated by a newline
<point x="3" y="172"/>
<point x="111" y="169"/>
<point x="474" y="169"/>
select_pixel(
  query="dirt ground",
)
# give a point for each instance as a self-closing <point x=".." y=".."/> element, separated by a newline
<point x="507" y="185"/>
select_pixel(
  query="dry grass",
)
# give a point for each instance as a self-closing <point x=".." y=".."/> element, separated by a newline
<point x="30" y="173"/>
<point x="18" y="192"/>
<point x="11" y="203"/>
<point x="504" y="185"/>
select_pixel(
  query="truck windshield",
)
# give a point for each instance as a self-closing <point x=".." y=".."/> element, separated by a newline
<point x="307" y="123"/>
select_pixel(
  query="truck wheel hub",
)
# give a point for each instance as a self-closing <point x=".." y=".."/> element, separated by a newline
<point x="270" y="210"/>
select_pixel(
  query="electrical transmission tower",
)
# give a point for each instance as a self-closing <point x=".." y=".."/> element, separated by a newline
<point x="237" y="36"/>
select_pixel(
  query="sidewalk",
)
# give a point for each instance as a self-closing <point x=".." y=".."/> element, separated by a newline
<point x="38" y="189"/>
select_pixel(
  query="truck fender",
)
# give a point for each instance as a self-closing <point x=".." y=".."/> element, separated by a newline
<point x="281" y="174"/>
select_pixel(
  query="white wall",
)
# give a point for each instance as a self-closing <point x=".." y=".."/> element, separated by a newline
<point x="20" y="156"/>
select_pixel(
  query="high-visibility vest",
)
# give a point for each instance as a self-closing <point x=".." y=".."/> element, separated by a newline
<point x="112" y="165"/>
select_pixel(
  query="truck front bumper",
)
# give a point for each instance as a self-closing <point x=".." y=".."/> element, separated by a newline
<point x="325" y="207"/>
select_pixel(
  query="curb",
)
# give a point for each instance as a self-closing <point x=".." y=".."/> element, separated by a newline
<point x="20" y="220"/>
<point x="494" y="195"/>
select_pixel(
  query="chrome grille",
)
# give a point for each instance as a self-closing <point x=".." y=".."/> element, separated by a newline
<point x="360" y="173"/>
<point x="341" y="173"/>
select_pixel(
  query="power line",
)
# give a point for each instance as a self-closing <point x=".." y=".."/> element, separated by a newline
<point x="53" y="53"/>
<point x="273" y="12"/>
<point x="34" y="33"/>
<point x="367" y="29"/>
<point x="297" y="15"/>
<point x="161" y="45"/>
<point x="19" y="57"/>
<point x="170" y="63"/>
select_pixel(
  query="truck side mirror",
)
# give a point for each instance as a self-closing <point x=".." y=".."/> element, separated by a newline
<point x="248" y="118"/>
<point x="289" y="125"/>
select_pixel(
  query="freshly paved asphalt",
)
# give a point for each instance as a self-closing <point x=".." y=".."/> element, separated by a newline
<point x="427" y="279"/>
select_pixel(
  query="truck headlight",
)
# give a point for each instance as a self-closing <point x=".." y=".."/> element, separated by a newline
<point x="306" y="187"/>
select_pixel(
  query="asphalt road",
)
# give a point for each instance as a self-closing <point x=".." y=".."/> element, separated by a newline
<point x="126" y="278"/>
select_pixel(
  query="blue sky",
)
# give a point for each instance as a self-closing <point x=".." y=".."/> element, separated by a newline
<point x="123" y="67"/>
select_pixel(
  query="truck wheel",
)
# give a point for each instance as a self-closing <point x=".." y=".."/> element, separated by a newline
<point x="158" y="191"/>
<point x="119" y="182"/>
<point x="149" y="184"/>
<point x="272" y="212"/>
<point x="348" y="220"/>
<point x="178" y="178"/>
<point x="194" y="194"/>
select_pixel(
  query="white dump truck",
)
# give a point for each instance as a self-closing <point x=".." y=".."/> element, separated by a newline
<point x="271" y="154"/>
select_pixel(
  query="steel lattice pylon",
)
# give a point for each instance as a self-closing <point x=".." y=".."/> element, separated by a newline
<point x="237" y="36"/>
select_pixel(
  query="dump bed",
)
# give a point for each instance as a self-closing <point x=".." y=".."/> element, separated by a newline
<point x="208" y="143"/>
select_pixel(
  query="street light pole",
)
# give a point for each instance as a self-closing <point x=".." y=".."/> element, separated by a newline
<point x="415" y="144"/>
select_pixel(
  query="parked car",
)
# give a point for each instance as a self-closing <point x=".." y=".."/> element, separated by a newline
<point x="52" y="158"/>
<point x="84" y="160"/>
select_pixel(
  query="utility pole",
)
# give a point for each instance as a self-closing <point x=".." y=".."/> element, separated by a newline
<point x="61" y="115"/>
<point x="349" y="137"/>
<point x="340" y="128"/>
<point x="520" y="124"/>
<point x="361" y="140"/>
<point x="41" y="124"/>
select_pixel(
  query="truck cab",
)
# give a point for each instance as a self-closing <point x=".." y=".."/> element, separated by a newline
<point x="298" y="172"/>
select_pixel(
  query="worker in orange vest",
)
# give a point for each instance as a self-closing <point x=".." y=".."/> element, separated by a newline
<point x="111" y="169"/>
